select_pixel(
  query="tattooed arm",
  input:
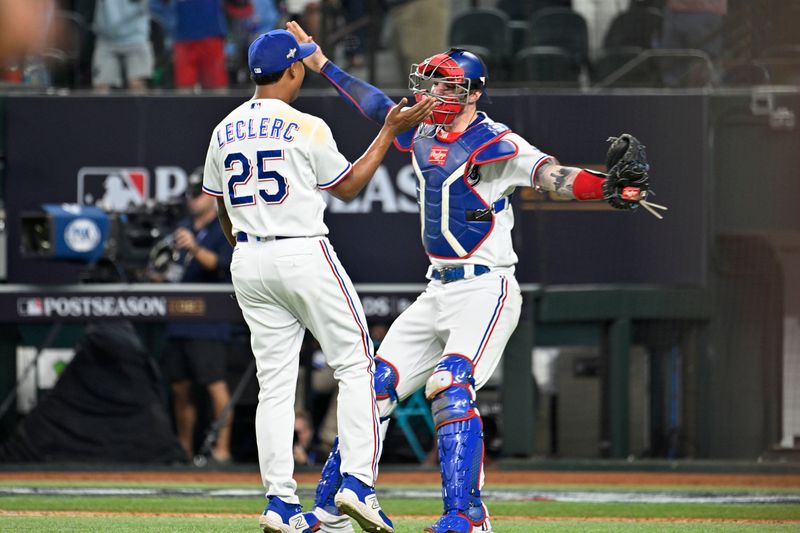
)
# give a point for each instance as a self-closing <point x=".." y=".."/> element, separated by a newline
<point x="570" y="182"/>
<point x="556" y="178"/>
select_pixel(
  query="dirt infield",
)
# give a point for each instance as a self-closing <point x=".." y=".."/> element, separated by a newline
<point x="418" y="517"/>
<point x="498" y="477"/>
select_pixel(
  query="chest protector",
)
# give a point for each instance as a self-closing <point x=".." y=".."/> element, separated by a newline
<point x="455" y="219"/>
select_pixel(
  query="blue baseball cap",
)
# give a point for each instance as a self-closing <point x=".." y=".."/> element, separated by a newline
<point x="275" y="51"/>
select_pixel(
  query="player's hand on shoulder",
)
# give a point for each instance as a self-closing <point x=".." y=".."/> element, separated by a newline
<point x="316" y="60"/>
<point x="401" y="118"/>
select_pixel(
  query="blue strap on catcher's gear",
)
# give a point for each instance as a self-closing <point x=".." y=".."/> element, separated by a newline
<point x="460" y="436"/>
<point x="330" y="481"/>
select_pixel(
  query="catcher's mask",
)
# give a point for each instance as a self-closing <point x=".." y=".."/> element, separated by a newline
<point x="448" y="77"/>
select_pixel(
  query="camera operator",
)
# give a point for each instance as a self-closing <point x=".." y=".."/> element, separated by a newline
<point x="195" y="352"/>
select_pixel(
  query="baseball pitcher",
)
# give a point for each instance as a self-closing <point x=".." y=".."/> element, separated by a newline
<point x="267" y="164"/>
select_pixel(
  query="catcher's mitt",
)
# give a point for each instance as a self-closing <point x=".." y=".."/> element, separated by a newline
<point x="627" y="169"/>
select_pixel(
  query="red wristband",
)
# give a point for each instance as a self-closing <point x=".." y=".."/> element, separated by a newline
<point x="588" y="186"/>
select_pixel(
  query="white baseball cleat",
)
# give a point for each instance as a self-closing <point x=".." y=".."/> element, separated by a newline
<point x="333" y="523"/>
<point x="358" y="500"/>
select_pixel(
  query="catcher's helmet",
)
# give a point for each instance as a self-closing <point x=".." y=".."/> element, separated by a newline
<point x="459" y="71"/>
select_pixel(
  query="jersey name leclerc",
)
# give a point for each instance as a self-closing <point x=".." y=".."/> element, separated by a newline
<point x="269" y="163"/>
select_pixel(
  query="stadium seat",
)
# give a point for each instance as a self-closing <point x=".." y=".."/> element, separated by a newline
<point x="782" y="62"/>
<point x="486" y="28"/>
<point x="639" y="26"/>
<point x="519" y="35"/>
<point x="610" y="60"/>
<point x="744" y="75"/>
<point x="524" y="9"/>
<point x="563" y="28"/>
<point x="687" y="67"/>
<point x="547" y="66"/>
<point x="59" y="67"/>
<point x="415" y="405"/>
<point x="70" y="37"/>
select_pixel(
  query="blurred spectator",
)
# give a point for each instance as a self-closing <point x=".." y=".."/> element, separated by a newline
<point x="377" y="332"/>
<point x="321" y="397"/>
<point x="419" y="30"/>
<point x="695" y="24"/>
<point x="303" y="449"/>
<point x="265" y="17"/>
<point x="199" y="47"/>
<point x="24" y="26"/>
<point x="355" y="43"/>
<point x="308" y="13"/>
<point x="598" y="15"/>
<point x="165" y="13"/>
<point x="195" y="352"/>
<point x="239" y="15"/>
<point x="122" y="29"/>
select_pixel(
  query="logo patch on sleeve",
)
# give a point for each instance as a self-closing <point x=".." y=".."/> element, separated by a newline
<point x="438" y="155"/>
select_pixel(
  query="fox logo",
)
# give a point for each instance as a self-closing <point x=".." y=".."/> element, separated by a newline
<point x="113" y="188"/>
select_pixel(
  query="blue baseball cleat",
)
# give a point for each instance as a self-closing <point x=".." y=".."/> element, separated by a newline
<point x="359" y="502"/>
<point x="282" y="517"/>
<point x="457" y="522"/>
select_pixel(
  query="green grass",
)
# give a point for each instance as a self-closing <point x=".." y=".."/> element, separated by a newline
<point x="396" y="486"/>
<point x="552" y="516"/>
<point x="227" y="525"/>
<point x="182" y="504"/>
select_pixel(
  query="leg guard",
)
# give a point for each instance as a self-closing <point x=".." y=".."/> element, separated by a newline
<point x="331" y="478"/>
<point x="329" y="481"/>
<point x="460" y="436"/>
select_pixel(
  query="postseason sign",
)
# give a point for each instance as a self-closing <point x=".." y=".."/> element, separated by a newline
<point x="92" y="307"/>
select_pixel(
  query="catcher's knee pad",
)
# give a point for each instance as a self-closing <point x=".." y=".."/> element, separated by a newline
<point x="386" y="378"/>
<point x="451" y="389"/>
<point x="330" y="480"/>
<point x="459" y="429"/>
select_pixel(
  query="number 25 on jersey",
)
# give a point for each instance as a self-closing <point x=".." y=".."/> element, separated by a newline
<point x="238" y="162"/>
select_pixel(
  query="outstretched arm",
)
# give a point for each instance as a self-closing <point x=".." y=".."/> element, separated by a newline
<point x="367" y="99"/>
<point x="398" y="120"/>
<point x="570" y="182"/>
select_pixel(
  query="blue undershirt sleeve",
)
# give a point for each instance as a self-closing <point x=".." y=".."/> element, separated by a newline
<point x="369" y="100"/>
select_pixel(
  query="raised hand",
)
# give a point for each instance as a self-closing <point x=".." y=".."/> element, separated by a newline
<point x="316" y="60"/>
<point x="401" y="118"/>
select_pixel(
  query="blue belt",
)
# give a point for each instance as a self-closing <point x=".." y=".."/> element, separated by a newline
<point x="448" y="274"/>
<point x="244" y="237"/>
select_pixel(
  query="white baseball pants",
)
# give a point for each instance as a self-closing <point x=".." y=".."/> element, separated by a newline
<point x="283" y="287"/>
<point x="472" y="317"/>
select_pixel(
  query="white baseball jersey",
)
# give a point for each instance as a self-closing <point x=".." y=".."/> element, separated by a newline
<point x="472" y="317"/>
<point x="269" y="162"/>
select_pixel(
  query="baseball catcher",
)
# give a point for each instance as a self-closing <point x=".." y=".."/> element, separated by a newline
<point x="451" y="339"/>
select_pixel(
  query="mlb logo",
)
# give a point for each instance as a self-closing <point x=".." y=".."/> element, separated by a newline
<point x="30" y="307"/>
<point x="113" y="188"/>
<point x="438" y="155"/>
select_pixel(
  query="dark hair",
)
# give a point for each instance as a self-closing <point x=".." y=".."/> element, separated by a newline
<point x="267" y="79"/>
